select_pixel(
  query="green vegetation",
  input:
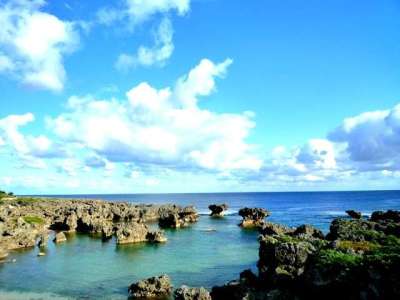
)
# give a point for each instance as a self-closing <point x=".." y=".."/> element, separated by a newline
<point x="357" y="245"/>
<point x="26" y="200"/>
<point x="334" y="258"/>
<point x="33" y="220"/>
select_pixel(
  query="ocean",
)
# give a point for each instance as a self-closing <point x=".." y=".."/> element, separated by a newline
<point x="211" y="252"/>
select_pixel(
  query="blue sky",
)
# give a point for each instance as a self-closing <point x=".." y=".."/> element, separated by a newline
<point x="199" y="96"/>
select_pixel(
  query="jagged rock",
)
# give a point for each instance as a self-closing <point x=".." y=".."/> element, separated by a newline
<point x="85" y="216"/>
<point x="188" y="293"/>
<point x="354" y="214"/>
<point x="60" y="238"/>
<point x="132" y="233"/>
<point x="282" y="257"/>
<point x="253" y="217"/>
<point x="307" y="231"/>
<point x="275" y="229"/>
<point x="181" y="217"/>
<point x="156" y="237"/>
<point x="353" y="230"/>
<point x="388" y="216"/>
<point x="217" y="210"/>
<point x="154" y="287"/>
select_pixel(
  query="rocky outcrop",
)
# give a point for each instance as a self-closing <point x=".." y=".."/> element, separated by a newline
<point x="135" y="232"/>
<point x="269" y="228"/>
<point x="24" y="221"/>
<point x="188" y="293"/>
<point x="217" y="210"/>
<point x="354" y="214"/>
<point x="178" y="217"/>
<point x="358" y="259"/>
<point x="3" y="254"/>
<point x="253" y="217"/>
<point x="151" y="288"/>
<point x="60" y="238"/>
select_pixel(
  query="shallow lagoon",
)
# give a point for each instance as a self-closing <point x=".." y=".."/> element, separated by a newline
<point x="87" y="268"/>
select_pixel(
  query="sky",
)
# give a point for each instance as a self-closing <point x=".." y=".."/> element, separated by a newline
<point x="164" y="96"/>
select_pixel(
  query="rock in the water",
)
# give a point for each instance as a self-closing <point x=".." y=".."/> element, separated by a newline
<point x="253" y="217"/>
<point x="132" y="233"/>
<point x="180" y="217"/>
<point x="60" y="237"/>
<point x="217" y="210"/>
<point x="3" y="254"/>
<point x="154" y="287"/>
<point x="354" y="214"/>
<point x="156" y="237"/>
<point x="43" y="238"/>
<point x="188" y="293"/>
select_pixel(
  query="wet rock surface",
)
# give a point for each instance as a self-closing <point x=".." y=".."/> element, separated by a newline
<point x="253" y="217"/>
<point x="217" y="210"/>
<point x="152" y="288"/>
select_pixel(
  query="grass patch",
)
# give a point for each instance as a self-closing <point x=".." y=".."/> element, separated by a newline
<point x="33" y="220"/>
<point x="358" y="246"/>
<point x="334" y="258"/>
<point x="26" y="200"/>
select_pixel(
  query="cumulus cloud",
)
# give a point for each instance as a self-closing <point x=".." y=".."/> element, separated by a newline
<point x="28" y="147"/>
<point x="163" y="126"/>
<point x="158" y="54"/>
<point x="372" y="139"/>
<point x="33" y="44"/>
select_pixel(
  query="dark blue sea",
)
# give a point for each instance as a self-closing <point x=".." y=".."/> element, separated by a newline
<point x="211" y="252"/>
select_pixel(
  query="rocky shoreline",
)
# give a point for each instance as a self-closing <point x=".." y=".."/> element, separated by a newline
<point x="359" y="258"/>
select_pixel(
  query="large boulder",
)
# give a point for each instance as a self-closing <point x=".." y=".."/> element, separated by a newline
<point x="217" y="210"/>
<point x="385" y="217"/>
<point x="253" y="217"/>
<point x="154" y="287"/>
<point x="308" y="232"/>
<point x="270" y="228"/>
<point x="188" y="293"/>
<point x="132" y="233"/>
<point x="178" y="217"/>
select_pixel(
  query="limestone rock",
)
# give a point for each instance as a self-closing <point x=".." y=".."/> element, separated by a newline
<point x="188" y="293"/>
<point x="154" y="287"/>
<point x="60" y="238"/>
<point x="253" y="217"/>
<point x="217" y="210"/>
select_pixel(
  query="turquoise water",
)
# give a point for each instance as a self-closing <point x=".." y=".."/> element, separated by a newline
<point x="87" y="268"/>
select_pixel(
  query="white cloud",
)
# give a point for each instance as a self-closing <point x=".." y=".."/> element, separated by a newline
<point x="141" y="10"/>
<point x="158" y="54"/>
<point x="163" y="126"/>
<point x="33" y="44"/>
<point x="29" y="148"/>
<point x="372" y="139"/>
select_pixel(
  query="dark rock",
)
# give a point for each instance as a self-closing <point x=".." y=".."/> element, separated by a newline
<point x="388" y="216"/>
<point x="43" y="238"/>
<point x="154" y="287"/>
<point x="187" y="293"/>
<point x="354" y="214"/>
<point x="156" y="237"/>
<point x="217" y="210"/>
<point x="307" y="232"/>
<point x="177" y="218"/>
<point x="253" y="217"/>
<point x="275" y="229"/>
